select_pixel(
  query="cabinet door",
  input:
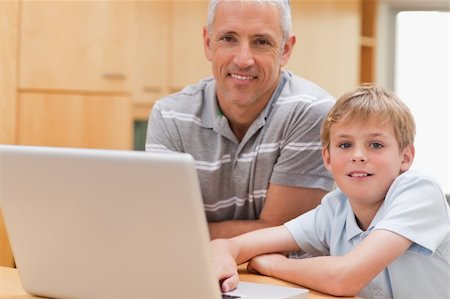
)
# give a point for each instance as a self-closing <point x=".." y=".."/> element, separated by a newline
<point x="76" y="45"/>
<point x="150" y="67"/>
<point x="327" y="49"/>
<point x="188" y="64"/>
<point x="9" y="12"/>
<point x="75" y="120"/>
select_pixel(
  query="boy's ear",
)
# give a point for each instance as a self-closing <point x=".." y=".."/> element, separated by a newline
<point x="408" y="157"/>
<point x="326" y="158"/>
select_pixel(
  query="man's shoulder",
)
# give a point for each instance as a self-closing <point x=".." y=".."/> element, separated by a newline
<point x="189" y="95"/>
<point x="297" y="86"/>
<point x="299" y="94"/>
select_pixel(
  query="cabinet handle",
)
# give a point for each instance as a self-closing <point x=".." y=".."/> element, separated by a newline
<point x="151" y="89"/>
<point x="114" y="76"/>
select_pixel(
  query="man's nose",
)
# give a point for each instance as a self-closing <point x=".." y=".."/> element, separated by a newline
<point x="244" y="56"/>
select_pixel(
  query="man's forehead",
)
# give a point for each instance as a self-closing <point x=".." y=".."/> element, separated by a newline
<point x="235" y="15"/>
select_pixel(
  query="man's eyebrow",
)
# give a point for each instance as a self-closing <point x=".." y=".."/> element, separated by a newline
<point x="264" y="35"/>
<point x="222" y="32"/>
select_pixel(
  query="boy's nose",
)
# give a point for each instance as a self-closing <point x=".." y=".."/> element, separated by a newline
<point x="359" y="159"/>
<point x="359" y="156"/>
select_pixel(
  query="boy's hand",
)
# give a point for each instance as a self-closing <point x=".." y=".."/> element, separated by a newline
<point x="225" y="265"/>
<point x="227" y="274"/>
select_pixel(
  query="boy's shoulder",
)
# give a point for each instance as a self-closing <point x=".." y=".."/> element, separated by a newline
<point x="414" y="180"/>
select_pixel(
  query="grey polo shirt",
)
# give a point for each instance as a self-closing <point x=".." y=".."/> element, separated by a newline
<point x="282" y="145"/>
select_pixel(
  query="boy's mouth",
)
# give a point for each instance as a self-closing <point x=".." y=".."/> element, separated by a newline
<point x="359" y="174"/>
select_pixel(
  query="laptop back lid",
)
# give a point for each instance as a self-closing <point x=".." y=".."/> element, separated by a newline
<point x="87" y="223"/>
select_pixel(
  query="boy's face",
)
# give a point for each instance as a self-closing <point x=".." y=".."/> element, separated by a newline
<point x="365" y="159"/>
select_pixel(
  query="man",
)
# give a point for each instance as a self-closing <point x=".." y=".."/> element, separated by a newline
<point x="253" y="129"/>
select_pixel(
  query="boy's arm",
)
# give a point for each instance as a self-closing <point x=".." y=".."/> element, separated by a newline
<point x="337" y="275"/>
<point x="228" y="253"/>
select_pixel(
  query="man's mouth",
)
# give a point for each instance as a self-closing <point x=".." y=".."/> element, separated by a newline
<point x="241" y="77"/>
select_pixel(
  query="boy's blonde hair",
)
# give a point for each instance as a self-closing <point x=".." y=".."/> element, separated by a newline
<point x="368" y="103"/>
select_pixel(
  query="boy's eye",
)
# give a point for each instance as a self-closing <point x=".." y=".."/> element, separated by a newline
<point x="345" y="145"/>
<point x="376" y="145"/>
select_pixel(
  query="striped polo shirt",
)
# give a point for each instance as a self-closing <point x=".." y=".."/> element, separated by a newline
<point x="282" y="145"/>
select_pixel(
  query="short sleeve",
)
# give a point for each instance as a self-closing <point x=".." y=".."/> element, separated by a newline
<point x="316" y="230"/>
<point x="415" y="207"/>
<point x="159" y="137"/>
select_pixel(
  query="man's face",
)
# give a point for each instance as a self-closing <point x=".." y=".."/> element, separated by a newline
<point x="247" y="52"/>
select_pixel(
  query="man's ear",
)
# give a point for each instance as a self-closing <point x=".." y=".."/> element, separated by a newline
<point x="287" y="49"/>
<point x="408" y="157"/>
<point x="326" y="158"/>
<point x="207" y="43"/>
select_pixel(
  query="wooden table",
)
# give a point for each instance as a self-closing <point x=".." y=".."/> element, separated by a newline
<point x="11" y="286"/>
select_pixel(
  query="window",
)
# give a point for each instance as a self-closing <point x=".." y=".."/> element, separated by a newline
<point x="422" y="81"/>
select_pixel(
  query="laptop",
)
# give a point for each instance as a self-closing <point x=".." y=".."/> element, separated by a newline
<point x="91" y="223"/>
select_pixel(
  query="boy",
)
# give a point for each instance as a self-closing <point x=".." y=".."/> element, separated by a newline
<point x="383" y="233"/>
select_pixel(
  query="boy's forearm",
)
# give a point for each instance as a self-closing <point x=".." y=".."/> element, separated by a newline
<point x="233" y="228"/>
<point x="325" y="274"/>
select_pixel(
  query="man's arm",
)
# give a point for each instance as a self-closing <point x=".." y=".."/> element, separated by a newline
<point x="282" y="203"/>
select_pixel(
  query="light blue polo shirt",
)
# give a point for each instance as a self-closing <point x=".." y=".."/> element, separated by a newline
<point x="415" y="207"/>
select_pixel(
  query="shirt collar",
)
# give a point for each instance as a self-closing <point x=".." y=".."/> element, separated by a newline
<point x="352" y="228"/>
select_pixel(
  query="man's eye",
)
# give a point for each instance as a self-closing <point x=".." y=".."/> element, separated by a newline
<point x="345" y="145"/>
<point x="262" y="42"/>
<point x="376" y="145"/>
<point x="227" y="39"/>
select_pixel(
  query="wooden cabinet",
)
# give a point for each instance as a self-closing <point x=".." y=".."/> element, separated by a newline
<point x="369" y="9"/>
<point x="76" y="45"/>
<point x="188" y="64"/>
<point x="152" y="55"/>
<point x="75" y="120"/>
<point x="327" y="48"/>
<point x="75" y="73"/>
<point x="9" y="11"/>
<point x="170" y="50"/>
<point x="8" y="69"/>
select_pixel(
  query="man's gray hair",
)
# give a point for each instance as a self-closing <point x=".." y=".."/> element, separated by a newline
<point x="283" y="5"/>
